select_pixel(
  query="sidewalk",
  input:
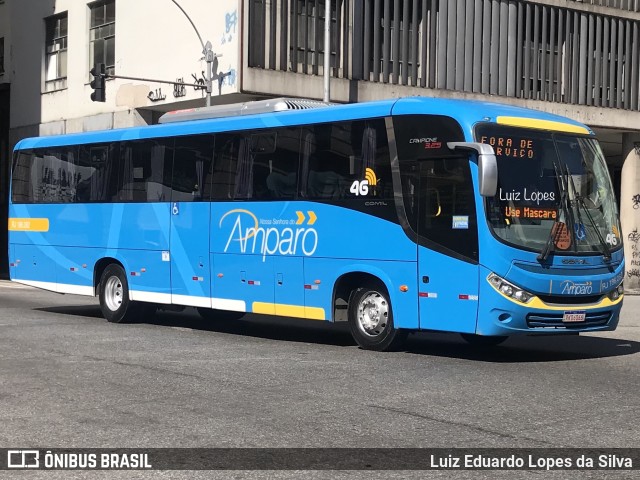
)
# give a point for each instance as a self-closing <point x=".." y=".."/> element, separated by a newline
<point x="630" y="315"/>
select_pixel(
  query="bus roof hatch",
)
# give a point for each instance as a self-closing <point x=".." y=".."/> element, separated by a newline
<point x="237" y="109"/>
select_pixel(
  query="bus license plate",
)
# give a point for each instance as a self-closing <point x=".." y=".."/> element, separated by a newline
<point x="572" y="317"/>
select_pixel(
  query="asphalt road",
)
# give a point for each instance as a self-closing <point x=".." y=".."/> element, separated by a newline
<point x="70" y="379"/>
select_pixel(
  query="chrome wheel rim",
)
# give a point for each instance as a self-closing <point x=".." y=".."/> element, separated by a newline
<point x="113" y="293"/>
<point x="373" y="314"/>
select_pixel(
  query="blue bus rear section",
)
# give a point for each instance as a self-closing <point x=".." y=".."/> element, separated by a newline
<point x="307" y="259"/>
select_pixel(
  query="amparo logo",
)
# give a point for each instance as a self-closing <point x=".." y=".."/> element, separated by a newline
<point x="573" y="288"/>
<point x="276" y="237"/>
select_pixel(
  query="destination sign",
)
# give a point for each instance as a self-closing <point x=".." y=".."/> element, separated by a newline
<point x="531" y="213"/>
<point x="505" y="146"/>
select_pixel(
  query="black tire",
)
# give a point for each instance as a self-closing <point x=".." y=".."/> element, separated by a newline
<point x="114" y="297"/>
<point x="483" y="341"/>
<point x="371" y="320"/>
<point x="213" y="315"/>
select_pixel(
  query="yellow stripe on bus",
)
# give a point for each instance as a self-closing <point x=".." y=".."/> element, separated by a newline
<point x="29" y="224"/>
<point x="541" y="124"/>
<point x="536" y="303"/>
<point x="299" y="311"/>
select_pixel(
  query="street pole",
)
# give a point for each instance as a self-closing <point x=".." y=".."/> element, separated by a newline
<point x="327" y="51"/>
<point x="209" y="56"/>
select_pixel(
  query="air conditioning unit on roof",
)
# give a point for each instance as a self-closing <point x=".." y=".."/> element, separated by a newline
<point x="240" y="109"/>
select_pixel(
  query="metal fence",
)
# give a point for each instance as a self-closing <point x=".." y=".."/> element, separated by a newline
<point x="501" y="47"/>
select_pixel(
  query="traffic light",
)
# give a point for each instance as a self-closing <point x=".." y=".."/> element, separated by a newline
<point x="99" y="72"/>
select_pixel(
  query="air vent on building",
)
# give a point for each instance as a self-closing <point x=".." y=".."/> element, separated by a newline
<point x="238" y="109"/>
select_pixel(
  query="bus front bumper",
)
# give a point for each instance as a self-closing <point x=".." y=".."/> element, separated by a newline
<point x="500" y="315"/>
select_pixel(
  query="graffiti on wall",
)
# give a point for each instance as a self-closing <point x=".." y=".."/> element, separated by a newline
<point x="225" y="78"/>
<point x="634" y="261"/>
<point x="636" y="201"/>
<point x="231" y="24"/>
<point x="199" y="83"/>
<point x="179" y="90"/>
<point x="228" y="78"/>
<point x="156" y="95"/>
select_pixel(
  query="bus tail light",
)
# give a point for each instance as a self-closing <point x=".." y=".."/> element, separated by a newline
<point x="509" y="289"/>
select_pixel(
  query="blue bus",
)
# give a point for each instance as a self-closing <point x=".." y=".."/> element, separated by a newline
<point x="394" y="216"/>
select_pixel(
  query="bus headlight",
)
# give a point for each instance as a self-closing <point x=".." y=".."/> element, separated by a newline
<point x="509" y="289"/>
<point x="617" y="292"/>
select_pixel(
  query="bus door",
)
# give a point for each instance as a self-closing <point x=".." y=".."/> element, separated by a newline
<point x="190" y="214"/>
<point x="448" y="246"/>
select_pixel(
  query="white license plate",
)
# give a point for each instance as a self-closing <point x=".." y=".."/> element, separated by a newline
<point x="572" y="317"/>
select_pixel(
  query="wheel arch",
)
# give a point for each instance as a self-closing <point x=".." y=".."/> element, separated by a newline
<point x="100" y="267"/>
<point x="403" y="301"/>
<point x="346" y="283"/>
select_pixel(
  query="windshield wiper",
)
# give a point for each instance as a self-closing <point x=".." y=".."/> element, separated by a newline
<point x="555" y="229"/>
<point x="580" y="203"/>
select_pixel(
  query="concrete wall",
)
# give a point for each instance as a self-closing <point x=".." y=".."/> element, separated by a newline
<point x="630" y="211"/>
<point x="154" y="39"/>
<point x="342" y="90"/>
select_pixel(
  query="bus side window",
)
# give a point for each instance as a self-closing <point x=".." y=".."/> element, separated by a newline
<point x="327" y="161"/>
<point x="376" y="161"/>
<point x="336" y="155"/>
<point x="142" y="171"/>
<point x="97" y="175"/>
<point x="281" y="179"/>
<point x="225" y="165"/>
<point x="52" y="173"/>
<point x="22" y="184"/>
<point x="243" y="180"/>
<point x="191" y="168"/>
<point x="262" y="148"/>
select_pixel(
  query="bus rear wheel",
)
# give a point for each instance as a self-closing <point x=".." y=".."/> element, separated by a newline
<point x="114" y="296"/>
<point x="371" y="320"/>
<point x="483" y="341"/>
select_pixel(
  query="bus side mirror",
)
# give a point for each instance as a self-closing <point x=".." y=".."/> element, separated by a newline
<point x="487" y="165"/>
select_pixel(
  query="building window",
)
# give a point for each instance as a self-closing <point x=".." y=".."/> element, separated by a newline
<point x="102" y="34"/>
<point x="56" y="52"/>
<point x="1" y="55"/>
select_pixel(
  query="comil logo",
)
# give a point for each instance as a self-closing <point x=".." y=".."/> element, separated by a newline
<point x="23" y="459"/>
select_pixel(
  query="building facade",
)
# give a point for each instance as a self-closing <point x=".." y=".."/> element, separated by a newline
<point x="575" y="58"/>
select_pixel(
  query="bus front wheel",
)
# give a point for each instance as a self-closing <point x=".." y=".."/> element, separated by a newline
<point x="114" y="295"/>
<point x="371" y="320"/>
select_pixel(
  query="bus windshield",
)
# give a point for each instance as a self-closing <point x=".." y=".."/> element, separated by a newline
<point x="554" y="192"/>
